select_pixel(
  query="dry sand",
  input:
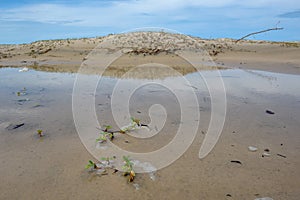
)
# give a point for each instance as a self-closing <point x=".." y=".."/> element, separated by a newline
<point x="52" y="167"/>
<point x="68" y="55"/>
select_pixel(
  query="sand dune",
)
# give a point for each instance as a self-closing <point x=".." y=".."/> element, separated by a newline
<point x="67" y="55"/>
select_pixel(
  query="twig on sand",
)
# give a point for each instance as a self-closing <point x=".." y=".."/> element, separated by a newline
<point x="281" y="155"/>
<point x="258" y="32"/>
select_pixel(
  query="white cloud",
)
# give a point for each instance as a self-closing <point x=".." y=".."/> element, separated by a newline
<point x="134" y="12"/>
<point x="204" y="18"/>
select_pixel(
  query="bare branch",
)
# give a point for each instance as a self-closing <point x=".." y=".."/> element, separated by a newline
<point x="258" y="32"/>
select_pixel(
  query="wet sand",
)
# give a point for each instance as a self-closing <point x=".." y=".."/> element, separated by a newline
<point x="53" y="167"/>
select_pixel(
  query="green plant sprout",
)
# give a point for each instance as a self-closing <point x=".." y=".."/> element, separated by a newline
<point x="40" y="132"/>
<point x="102" y="137"/>
<point x="107" y="127"/>
<point x="22" y="92"/>
<point x="128" y="168"/>
<point x="134" y="124"/>
<point x="91" y="165"/>
<point x="105" y="164"/>
<point x="105" y="134"/>
<point x="108" y="159"/>
<point x="135" y="120"/>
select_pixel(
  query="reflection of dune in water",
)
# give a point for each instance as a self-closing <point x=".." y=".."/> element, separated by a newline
<point x="151" y="67"/>
<point x="134" y="66"/>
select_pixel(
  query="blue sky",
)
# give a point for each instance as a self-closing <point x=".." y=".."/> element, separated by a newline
<point x="30" y="20"/>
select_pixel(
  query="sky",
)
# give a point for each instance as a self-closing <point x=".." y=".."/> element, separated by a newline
<point x="26" y="21"/>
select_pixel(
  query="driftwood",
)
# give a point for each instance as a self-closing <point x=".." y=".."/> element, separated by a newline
<point x="258" y="32"/>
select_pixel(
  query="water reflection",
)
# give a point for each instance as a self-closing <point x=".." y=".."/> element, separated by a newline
<point x="127" y="63"/>
<point x="237" y="82"/>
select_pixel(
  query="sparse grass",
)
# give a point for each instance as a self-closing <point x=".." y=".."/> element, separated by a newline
<point x="291" y="44"/>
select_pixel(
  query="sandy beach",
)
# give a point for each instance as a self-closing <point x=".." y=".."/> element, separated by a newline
<point x="67" y="55"/>
<point x="259" y="76"/>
